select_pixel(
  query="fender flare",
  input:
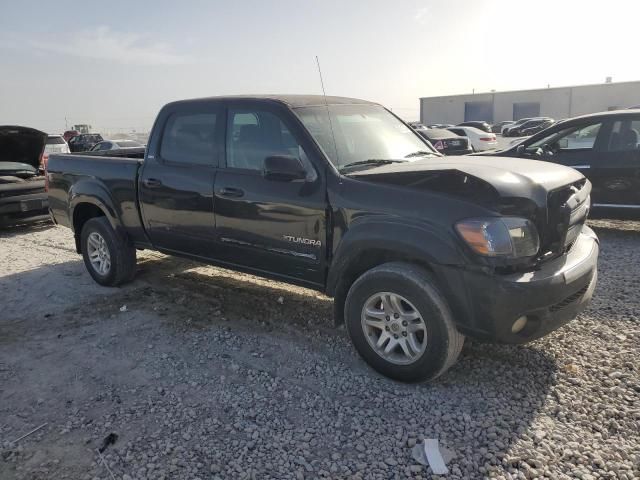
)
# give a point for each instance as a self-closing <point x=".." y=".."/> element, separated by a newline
<point x="94" y="193"/>
<point x="429" y="243"/>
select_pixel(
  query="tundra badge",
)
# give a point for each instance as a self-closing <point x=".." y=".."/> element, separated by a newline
<point x="305" y="241"/>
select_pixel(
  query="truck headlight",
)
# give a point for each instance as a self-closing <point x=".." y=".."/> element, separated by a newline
<point x="500" y="236"/>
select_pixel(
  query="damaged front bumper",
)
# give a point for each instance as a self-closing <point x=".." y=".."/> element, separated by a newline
<point x="521" y="307"/>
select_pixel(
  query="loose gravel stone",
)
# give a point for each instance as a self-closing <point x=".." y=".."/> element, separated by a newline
<point x="208" y="375"/>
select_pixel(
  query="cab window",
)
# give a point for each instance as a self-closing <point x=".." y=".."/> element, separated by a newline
<point x="189" y="138"/>
<point x="572" y="138"/>
<point x="625" y="136"/>
<point x="254" y="135"/>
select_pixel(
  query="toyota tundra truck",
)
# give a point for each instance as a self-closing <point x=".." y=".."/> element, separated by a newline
<point x="417" y="250"/>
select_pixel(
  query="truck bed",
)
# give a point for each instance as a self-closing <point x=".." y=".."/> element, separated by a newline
<point x="113" y="179"/>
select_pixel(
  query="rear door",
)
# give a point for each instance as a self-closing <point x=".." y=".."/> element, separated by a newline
<point x="616" y="172"/>
<point x="176" y="182"/>
<point x="265" y="224"/>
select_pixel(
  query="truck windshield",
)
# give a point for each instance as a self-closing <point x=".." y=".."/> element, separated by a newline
<point x="365" y="135"/>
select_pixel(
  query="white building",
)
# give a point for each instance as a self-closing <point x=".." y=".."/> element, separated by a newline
<point x="557" y="102"/>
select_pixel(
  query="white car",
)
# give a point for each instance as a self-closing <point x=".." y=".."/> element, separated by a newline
<point x="479" y="140"/>
<point x="56" y="144"/>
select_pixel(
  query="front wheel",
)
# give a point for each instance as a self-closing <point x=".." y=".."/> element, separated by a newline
<point x="109" y="258"/>
<point x="400" y="323"/>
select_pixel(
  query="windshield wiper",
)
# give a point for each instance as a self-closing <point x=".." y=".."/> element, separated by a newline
<point x="421" y="153"/>
<point x="371" y="161"/>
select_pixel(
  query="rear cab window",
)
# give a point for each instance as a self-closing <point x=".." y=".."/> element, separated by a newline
<point x="190" y="138"/>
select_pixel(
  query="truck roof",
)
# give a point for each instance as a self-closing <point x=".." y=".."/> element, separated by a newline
<point x="290" y="100"/>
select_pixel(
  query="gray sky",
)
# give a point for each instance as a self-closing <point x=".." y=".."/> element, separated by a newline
<point x="113" y="64"/>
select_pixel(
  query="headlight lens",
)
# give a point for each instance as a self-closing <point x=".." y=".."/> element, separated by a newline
<point x="500" y="237"/>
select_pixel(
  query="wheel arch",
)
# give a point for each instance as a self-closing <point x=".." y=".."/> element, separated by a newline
<point x="366" y="247"/>
<point x="89" y="200"/>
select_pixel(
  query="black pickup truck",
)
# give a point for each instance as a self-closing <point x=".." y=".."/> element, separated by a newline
<point x="339" y="195"/>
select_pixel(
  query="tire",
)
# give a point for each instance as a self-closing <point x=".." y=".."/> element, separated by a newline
<point x="441" y="343"/>
<point x="99" y="241"/>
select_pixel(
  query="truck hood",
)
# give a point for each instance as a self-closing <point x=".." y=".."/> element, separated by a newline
<point x="507" y="176"/>
<point x="21" y="145"/>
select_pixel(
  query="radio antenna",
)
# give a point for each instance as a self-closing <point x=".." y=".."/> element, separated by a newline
<point x="326" y="104"/>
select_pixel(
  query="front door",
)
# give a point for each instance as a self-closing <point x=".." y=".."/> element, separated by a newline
<point x="616" y="172"/>
<point x="176" y="182"/>
<point x="266" y="224"/>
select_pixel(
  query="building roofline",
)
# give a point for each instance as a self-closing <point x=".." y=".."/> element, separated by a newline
<point x="534" y="89"/>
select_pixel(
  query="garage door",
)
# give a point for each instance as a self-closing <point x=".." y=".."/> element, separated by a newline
<point x="526" y="110"/>
<point x="478" y="111"/>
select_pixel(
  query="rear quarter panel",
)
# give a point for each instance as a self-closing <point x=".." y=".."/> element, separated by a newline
<point x="109" y="183"/>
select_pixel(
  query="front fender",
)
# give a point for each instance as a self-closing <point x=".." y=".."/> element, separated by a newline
<point x="428" y="243"/>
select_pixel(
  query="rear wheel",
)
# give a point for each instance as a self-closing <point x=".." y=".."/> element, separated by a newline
<point x="400" y="323"/>
<point x="109" y="258"/>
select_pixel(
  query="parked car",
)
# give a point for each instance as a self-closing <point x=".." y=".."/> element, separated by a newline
<point x="605" y="147"/>
<point x="506" y="129"/>
<point x="56" y="144"/>
<point x="497" y="127"/>
<point x="115" y="145"/>
<point x="22" y="183"/>
<point x="446" y="142"/>
<point x="440" y="125"/>
<point x="84" y="142"/>
<point x="417" y="126"/>
<point x="528" y="131"/>
<point x="519" y="131"/>
<point x="69" y="134"/>
<point x="479" y="139"/>
<point x="484" y="126"/>
<point x="341" y="196"/>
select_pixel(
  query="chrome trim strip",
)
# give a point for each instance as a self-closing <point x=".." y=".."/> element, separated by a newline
<point x="579" y="166"/>
<point x="614" y="205"/>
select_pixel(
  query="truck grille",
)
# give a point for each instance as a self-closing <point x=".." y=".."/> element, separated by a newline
<point x="567" y="210"/>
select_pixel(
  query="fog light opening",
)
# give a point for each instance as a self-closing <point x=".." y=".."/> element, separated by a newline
<point x="519" y="324"/>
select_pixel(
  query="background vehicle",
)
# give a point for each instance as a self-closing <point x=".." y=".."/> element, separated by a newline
<point x="115" y="145"/>
<point x="478" y="139"/>
<point x="22" y="193"/>
<point x="84" y="141"/>
<point x="56" y="144"/>
<point x="331" y="193"/>
<point x="484" y="126"/>
<point x="70" y="134"/>
<point x="417" y="126"/>
<point x="518" y="131"/>
<point x="605" y="147"/>
<point x="440" y="125"/>
<point x="446" y="142"/>
<point x="528" y="131"/>
<point x="507" y="128"/>
<point x="497" y="127"/>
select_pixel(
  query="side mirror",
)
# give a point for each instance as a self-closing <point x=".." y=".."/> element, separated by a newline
<point x="284" y="168"/>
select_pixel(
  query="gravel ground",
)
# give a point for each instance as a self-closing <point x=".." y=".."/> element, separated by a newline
<point x="204" y="373"/>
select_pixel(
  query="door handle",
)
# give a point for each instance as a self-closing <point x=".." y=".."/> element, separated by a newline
<point x="231" y="192"/>
<point x="152" y="182"/>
